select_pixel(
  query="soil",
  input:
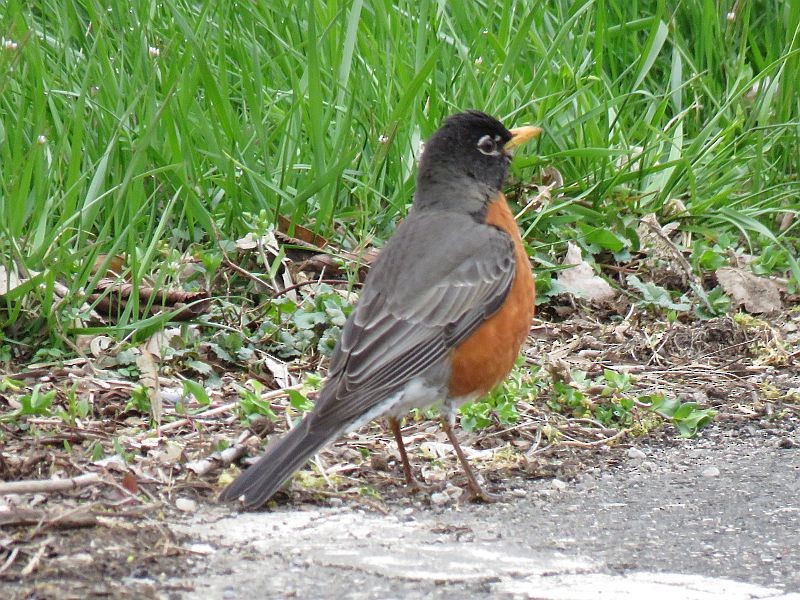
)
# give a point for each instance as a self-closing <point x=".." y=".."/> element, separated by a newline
<point x="584" y="512"/>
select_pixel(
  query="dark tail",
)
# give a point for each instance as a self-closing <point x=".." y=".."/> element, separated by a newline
<point x="257" y="484"/>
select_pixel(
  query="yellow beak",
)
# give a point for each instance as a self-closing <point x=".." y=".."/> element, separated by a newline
<point x="520" y="135"/>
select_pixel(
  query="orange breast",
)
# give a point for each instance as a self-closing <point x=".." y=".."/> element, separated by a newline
<point x="485" y="358"/>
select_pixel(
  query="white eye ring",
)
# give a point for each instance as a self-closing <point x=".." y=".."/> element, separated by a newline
<point x="488" y="146"/>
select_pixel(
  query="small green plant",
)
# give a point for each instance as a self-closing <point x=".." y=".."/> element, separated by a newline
<point x="686" y="416"/>
<point x="615" y="382"/>
<point x="37" y="402"/>
<point x="251" y="404"/>
<point x="197" y="391"/>
<point x="656" y="296"/>
<point x="127" y="456"/>
<point x="94" y="451"/>
<point x="299" y="401"/>
<point x="139" y="400"/>
<point x="501" y="404"/>
<point x="48" y="355"/>
<point x="616" y="412"/>
<point x="567" y="398"/>
<point x="77" y="408"/>
<point x="7" y="384"/>
<point x="717" y="304"/>
<point x="708" y="257"/>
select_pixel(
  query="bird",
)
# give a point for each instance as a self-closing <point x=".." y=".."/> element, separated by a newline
<point x="441" y="317"/>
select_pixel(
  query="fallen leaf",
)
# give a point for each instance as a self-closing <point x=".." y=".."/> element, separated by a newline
<point x="280" y="371"/>
<point x="299" y="232"/>
<point x="8" y="280"/>
<point x="130" y="483"/>
<point x="757" y="294"/>
<point x="580" y="280"/>
<point x="149" y="378"/>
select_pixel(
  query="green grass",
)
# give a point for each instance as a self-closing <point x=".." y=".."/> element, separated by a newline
<point x="141" y="128"/>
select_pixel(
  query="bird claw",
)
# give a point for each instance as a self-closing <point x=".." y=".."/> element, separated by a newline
<point x="417" y="488"/>
<point x="477" y="494"/>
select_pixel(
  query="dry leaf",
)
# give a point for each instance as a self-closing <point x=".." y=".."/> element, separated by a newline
<point x="130" y="483"/>
<point x="8" y="280"/>
<point x="580" y="280"/>
<point x="757" y="294"/>
<point x="149" y="379"/>
<point x="300" y="233"/>
<point x="280" y="371"/>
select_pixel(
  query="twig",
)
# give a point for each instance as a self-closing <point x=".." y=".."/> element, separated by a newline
<point x="43" y="519"/>
<point x="215" y="411"/>
<point x="33" y="563"/>
<point x="607" y="440"/>
<point x="220" y="459"/>
<point x="313" y="281"/>
<point x="9" y="560"/>
<point x="244" y="272"/>
<point x="46" y="486"/>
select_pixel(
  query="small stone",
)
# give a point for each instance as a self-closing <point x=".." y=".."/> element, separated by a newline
<point x="711" y="471"/>
<point x="519" y="493"/>
<point x="636" y="454"/>
<point x="786" y="442"/>
<point x="559" y="485"/>
<point x="186" y="504"/>
<point x="202" y="549"/>
<point x="335" y="501"/>
<point x="438" y="498"/>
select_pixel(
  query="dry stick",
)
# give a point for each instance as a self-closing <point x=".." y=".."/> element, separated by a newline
<point x="221" y="458"/>
<point x="33" y="563"/>
<point x="244" y="272"/>
<point x="595" y="443"/>
<point x="691" y="277"/>
<point x="215" y="411"/>
<point x="315" y="281"/>
<point x="43" y="519"/>
<point x="10" y="561"/>
<point x="46" y="486"/>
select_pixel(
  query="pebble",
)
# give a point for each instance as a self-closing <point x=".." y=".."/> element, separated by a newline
<point x="519" y="492"/>
<point x="438" y="498"/>
<point x="786" y="442"/>
<point x="636" y="454"/>
<point x="186" y="504"/>
<point x="559" y="485"/>
<point x="335" y="501"/>
<point x="711" y="471"/>
<point x="201" y="548"/>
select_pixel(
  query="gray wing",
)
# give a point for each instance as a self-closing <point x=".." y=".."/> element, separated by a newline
<point x="418" y="303"/>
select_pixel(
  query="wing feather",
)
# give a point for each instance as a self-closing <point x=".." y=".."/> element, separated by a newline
<point x="415" y="308"/>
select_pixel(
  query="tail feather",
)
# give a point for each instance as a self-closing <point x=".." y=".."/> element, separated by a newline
<point x="258" y="483"/>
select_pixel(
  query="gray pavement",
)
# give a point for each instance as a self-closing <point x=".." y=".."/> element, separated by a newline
<point x="713" y="517"/>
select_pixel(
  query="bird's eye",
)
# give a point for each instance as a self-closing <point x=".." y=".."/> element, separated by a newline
<point x="487" y="145"/>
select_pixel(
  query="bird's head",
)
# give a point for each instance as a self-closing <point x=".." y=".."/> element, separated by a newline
<point x="471" y="151"/>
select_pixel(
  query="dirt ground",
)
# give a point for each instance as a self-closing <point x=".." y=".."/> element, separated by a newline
<point x="146" y="528"/>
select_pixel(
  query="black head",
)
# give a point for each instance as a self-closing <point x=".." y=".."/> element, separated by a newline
<point x="468" y="145"/>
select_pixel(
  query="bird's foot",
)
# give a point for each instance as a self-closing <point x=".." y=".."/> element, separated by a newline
<point x="414" y="486"/>
<point x="475" y="493"/>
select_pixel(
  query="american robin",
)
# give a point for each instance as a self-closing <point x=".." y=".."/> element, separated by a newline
<point x="442" y="315"/>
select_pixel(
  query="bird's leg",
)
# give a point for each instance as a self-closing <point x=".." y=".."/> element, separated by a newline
<point x="412" y="483"/>
<point x="476" y="492"/>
